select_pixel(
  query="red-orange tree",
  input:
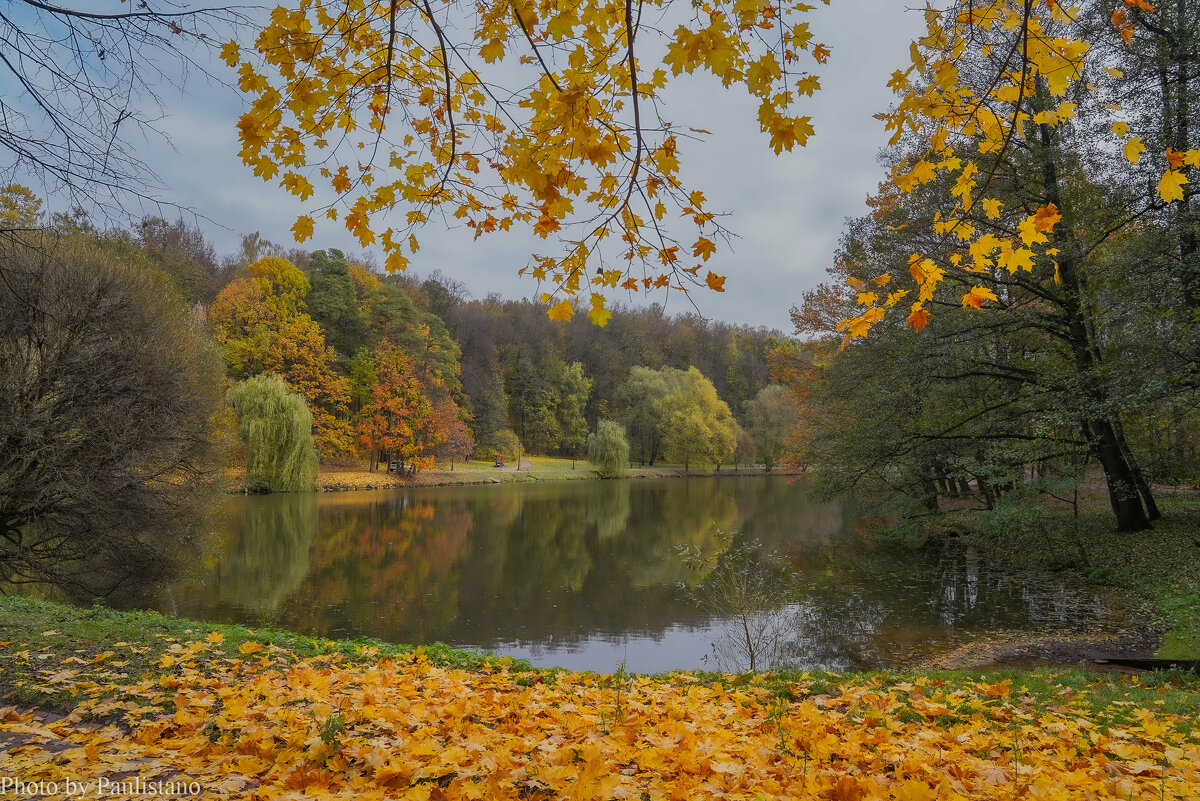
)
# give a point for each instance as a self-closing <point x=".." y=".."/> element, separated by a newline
<point x="398" y="417"/>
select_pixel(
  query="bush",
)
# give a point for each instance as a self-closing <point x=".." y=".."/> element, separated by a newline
<point x="107" y="397"/>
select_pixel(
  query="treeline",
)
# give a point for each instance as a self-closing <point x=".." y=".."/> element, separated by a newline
<point x="399" y="368"/>
<point x="1027" y="368"/>
<point x="683" y="387"/>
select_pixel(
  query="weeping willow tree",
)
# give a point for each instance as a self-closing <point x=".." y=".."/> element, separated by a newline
<point x="608" y="449"/>
<point x="276" y="426"/>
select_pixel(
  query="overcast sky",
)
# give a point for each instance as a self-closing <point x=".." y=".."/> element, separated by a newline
<point x="787" y="210"/>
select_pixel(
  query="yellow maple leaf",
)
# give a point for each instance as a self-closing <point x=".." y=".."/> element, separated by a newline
<point x="1028" y="231"/>
<point x="250" y="647"/>
<point x="1134" y="149"/>
<point x="599" y="315"/>
<point x="230" y="52"/>
<point x="303" y="228"/>
<point x="1170" y="186"/>
<point x="1121" y="129"/>
<point x="919" y="317"/>
<point x="703" y="248"/>
<point x="882" y="280"/>
<point x="561" y="311"/>
<point x="715" y="282"/>
<point x="991" y="207"/>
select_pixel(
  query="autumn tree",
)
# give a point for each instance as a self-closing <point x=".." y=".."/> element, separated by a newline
<point x="20" y="208"/>
<point x="770" y="420"/>
<point x="573" y="390"/>
<point x="995" y="402"/>
<point x="334" y="303"/>
<point x="1009" y="162"/>
<point x="276" y="429"/>
<point x="394" y="419"/>
<point x="493" y="436"/>
<point x="181" y="250"/>
<point x="641" y="410"/>
<point x="263" y="327"/>
<point x="697" y="425"/>
<point x="451" y="432"/>
<point x="532" y="402"/>
<point x="608" y="449"/>
<point x="107" y="418"/>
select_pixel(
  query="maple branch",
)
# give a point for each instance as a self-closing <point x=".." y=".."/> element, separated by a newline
<point x="391" y="47"/>
<point x="533" y="47"/>
<point x="437" y="29"/>
<point x="637" y="113"/>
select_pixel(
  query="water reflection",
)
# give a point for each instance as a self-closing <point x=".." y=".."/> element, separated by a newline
<point x="586" y="574"/>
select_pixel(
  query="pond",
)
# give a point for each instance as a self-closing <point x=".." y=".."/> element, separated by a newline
<point x="588" y="575"/>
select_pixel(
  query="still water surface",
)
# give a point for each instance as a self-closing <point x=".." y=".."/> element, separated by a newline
<point x="586" y="574"/>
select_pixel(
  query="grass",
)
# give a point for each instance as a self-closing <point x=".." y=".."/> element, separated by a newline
<point x="112" y="647"/>
<point x="41" y="639"/>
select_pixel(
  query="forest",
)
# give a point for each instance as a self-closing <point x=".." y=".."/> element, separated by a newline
<point x="410" y="370"/>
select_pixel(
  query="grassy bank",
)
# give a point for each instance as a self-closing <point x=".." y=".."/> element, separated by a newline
<point x="1160" y="568"/>
<point x="341" y="475"/>
<point x="259" y="714"/>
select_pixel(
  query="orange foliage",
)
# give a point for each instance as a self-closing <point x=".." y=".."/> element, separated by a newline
<point x="262" y="328"/>
<point x="398" y="410"/>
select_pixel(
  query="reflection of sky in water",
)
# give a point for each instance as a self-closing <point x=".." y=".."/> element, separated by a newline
<point x="668" y="650"/>
<point x="586" y="574"/>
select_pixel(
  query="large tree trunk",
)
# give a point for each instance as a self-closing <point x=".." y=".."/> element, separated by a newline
<point x="1122" y="486"/>
<point x="1120" y="472"/>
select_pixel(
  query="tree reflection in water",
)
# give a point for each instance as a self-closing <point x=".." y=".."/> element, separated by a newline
<point x="586" y="573"/>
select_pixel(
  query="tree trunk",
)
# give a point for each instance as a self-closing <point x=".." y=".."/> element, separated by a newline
<point x="1100" y="432"/>
<point x="1122" y="487"/>
<point x="1139" y="480"/>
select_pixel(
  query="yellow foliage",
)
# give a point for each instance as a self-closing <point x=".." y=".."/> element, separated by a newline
<point x="1170" y="186"/>
<point x="565" y="139"/>
<point x="268" y="725"/>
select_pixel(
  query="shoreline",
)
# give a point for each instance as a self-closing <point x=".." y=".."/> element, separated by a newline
<point x="338" y="479"/>
<point x="1154" y="571"/>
